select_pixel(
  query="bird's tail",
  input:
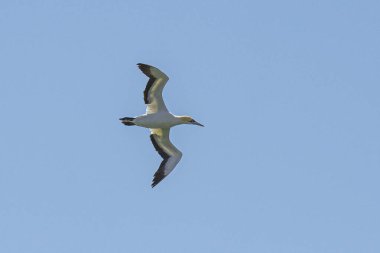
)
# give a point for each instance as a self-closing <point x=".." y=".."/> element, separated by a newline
<point x="128" y="121"/>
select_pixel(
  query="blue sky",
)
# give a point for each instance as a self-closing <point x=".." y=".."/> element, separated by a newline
<point x="288" y="161"/>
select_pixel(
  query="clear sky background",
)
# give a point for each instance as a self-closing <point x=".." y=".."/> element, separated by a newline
<point x="288" y="161"/>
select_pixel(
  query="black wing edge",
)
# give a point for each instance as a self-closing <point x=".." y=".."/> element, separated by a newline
<point x="147" y="88"/>
<point x="160" y="173"/>
<point x="146" y="70"/>
<point x="158" y="148"/>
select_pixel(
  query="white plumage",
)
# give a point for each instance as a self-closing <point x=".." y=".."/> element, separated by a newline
<point x="159" y="120"/>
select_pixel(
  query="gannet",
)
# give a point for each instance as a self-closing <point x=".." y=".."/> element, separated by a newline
<point x="159" y="120"/>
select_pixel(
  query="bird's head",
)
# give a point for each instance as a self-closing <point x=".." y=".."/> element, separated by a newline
<point x="189" y="120"/>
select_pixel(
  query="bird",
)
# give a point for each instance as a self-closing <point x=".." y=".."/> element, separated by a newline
<point x="159" y="121"/>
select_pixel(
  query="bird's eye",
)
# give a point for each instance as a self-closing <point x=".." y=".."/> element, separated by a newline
<point x="192" y="121"/>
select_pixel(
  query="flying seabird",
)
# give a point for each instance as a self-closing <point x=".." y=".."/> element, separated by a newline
<point x="159" y="120"/>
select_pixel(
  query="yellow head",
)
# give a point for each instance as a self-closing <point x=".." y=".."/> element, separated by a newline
<point x="189" y="120"/>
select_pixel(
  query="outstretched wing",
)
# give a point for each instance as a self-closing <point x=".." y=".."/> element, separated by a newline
<point x="170" y="154"/>
<point x="153" y="90"/>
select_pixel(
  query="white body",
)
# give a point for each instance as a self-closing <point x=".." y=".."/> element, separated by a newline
<point x="159" y="120"/>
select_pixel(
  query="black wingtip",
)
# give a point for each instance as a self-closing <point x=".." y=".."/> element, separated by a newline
<point x="145" y="68"/>
<point x="158" y="176"/>
<point x="143" y="65"/>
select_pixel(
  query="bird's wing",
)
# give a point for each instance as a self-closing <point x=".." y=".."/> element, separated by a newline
<point x="153" y="90"/>
<point x="170" y="154"/>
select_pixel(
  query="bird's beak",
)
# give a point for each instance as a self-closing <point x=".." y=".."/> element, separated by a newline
<point x="198" y="124"/>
